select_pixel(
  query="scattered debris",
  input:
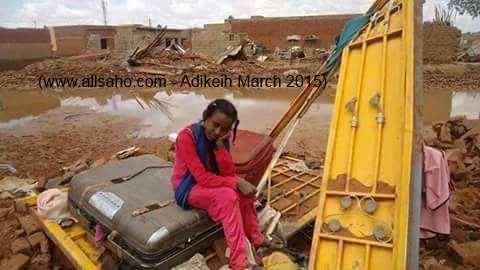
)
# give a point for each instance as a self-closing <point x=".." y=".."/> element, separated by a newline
<point x="262" y="58"/>
<point x="39" y="240"/>
<point x="8" y="168"/>
<point x="197" y="262"/>
<point x="233" y="52"/>
<point x="42" y="259"/>
<point x="143" y="52"/>
<point x="13" y="187"/>
<point x="21" y="245"/>
<point x="15" y="262"/>
<point x="291" y="72"/>
<point x="467" y="253"/>
<point x="127" y="152"/>
<point x="279" y="261"/>
<point x="174" y="47"/>
<point x="460" y="139"/>
<point x="30" y="224"/>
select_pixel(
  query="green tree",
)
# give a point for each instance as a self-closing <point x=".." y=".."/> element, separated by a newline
<point x="470" y="7"/>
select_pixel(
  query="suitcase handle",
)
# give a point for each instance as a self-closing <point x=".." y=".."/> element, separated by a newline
<point x="128" y="177"/>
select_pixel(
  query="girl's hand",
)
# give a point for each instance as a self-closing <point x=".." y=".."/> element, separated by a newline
<point x="222" y="140"/>
<point x="245" y="187"/>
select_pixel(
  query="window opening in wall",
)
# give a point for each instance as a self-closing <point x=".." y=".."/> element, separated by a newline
<point x="103" y="43"/>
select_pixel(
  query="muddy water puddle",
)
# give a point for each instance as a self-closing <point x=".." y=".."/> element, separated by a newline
<point x="161" y="113"/>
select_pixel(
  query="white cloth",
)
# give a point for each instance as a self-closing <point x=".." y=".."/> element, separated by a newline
<point x="52" y="204"/>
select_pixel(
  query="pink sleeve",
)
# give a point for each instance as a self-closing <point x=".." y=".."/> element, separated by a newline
<point x="185" y="147"/>
<point x="225" y="162"/>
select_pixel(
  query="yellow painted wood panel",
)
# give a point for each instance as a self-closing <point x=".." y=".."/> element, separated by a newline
<point x="369" y="158"/>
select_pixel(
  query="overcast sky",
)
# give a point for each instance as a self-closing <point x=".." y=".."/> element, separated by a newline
<point x="182" y="13"/>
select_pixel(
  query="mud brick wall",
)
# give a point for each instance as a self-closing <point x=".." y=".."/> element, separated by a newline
<point x="24" y="44"/>
<point x="272" y="32"/>
<point x="441" y="43"/>
<point x="73" y="40"/>
<point x="212" y="42"/>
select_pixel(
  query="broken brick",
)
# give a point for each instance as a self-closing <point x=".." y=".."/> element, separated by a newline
<point x="29" y="224"/>
<point x="6" y="211"/>
<point x="432" y="264"/>
<point x="474" y="236"/>
<point x="16" y="262"/>
<point x="99" y="162"/>
<point x="42" y="259"/>
<point x="20" y="245"/>
<point x="445" y="134"/>
<point x="467" y="253"/>
<point x="459" y="235"/>
<point x="39" y="239"/>
<point x="21" y="207"/>
<point x="19" y="232"/>
<point x="42" y="183"/>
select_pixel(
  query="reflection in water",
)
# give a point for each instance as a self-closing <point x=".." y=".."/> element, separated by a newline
<point x="161" y="113"/>
<point x="21" y="107"/>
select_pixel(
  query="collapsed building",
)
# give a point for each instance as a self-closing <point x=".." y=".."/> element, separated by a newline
<point x="22" y="46"/>
<point x="270" y="33"/>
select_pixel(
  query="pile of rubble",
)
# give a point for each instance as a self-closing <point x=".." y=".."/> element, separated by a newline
<point x="169" y="64"/>
<point x="23" y="244"/>
<point x="105" y="65"/>
<point x="460" y="139"/>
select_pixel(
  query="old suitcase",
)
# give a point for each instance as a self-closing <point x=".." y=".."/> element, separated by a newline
<point x="252" y="152"/>
<point x="161" y="238"/>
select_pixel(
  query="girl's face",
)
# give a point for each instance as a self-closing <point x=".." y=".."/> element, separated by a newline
<point x="217" y="126"/>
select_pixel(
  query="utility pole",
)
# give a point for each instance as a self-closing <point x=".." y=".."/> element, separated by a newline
<point x="149" y="22"/>
<point x="104" y="9"/>
<point x="34" y="23"/>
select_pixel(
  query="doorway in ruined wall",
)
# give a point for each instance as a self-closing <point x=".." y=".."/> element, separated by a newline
<point x="103" y="44"/>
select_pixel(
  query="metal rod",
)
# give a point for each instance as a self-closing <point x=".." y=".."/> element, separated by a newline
<point x="300" y="180"/>
<point x="381" y="101"/>
<point x="300" y="202"/>
<point x="361" y="194"/>
<point x="275" y="158"/>
<point x="287" y="180"/>
<point x="294" y="189"/>
<point x="355" y="113"/>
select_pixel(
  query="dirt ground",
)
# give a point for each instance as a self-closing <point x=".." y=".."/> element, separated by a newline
<point x="61" y="135"/>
